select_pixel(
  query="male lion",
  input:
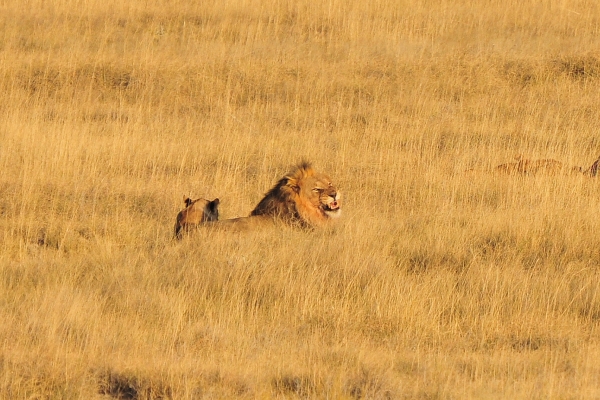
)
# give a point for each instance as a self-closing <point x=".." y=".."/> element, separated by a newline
<point x="303" y="197"/>
<point x="195" y="213"/>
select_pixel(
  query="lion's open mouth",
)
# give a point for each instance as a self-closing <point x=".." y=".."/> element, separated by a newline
<point x="334" y="206"/>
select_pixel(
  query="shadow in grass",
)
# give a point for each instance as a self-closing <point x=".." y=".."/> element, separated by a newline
<point x="367" y="384"/>
<point x="301" y="386"/>
<point x="127" y="387"/>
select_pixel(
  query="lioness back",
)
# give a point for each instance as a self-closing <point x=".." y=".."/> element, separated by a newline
<point x="242" y="224"/>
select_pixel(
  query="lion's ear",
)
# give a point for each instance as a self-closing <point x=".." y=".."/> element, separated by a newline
<point x="293" y="184"/>
<point x="187" y="201"/>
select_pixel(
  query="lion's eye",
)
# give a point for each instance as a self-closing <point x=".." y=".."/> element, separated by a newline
<point x="317" y="190"/>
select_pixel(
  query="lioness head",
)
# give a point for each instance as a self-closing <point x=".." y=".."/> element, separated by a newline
<point x="196" y="212"/>
<point x="303" y="196"/>
<point x="593" y="170"/>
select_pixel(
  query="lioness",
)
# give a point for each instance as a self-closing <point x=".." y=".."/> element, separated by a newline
<point x="195" y="213"/>
<point x="303" y="197"/>
<point x="536" y="167"/>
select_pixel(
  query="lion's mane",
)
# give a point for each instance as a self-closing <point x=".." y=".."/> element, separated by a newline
<point x="303" y="196"/>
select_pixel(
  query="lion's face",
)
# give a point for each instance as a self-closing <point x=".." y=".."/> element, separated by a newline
<point x="321" y="193"/>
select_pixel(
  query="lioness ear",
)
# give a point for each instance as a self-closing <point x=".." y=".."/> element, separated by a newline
<point x="187" y="201"/>
<point x="214" y="205"/>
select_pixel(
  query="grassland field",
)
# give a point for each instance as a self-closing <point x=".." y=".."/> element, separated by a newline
<point x="437" y="283"/>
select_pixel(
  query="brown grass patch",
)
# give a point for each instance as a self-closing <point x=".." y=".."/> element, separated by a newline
<point x="435" y="283"/>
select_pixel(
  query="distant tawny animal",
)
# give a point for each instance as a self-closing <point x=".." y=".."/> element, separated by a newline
<point x="548" y="166"/>
<point x="195" y="213"/>
<point x="303" y="197"/>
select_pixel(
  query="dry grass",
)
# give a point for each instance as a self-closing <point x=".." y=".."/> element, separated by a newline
<point x="437" y="283"/>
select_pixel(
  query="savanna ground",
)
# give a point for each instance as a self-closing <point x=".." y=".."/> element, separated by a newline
<point x="436" y="283"/>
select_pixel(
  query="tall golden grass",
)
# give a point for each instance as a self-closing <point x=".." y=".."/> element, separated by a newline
<point x="437" y="283"/>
